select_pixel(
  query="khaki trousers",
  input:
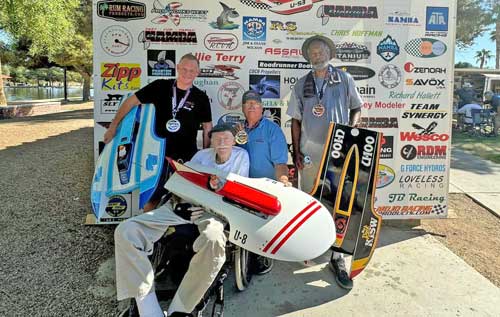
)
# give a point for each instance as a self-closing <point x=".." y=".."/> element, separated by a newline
<point x="134" y="239"/>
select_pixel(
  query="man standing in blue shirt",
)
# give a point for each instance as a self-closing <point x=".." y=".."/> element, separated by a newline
<point x="266" y="146"/>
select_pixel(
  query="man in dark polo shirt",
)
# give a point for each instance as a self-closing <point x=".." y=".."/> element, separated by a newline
<point x="180" y="109"/>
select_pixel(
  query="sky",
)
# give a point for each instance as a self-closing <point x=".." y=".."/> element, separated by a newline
<point x="467" y="55"/>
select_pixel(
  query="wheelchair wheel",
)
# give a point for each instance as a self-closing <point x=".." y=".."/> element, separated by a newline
<point x="241" y="267"/>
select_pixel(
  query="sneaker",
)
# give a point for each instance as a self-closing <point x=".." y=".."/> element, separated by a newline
<point x="178" y="314"/>
<point x="341" y="276"/>
<point x="261" y="265"/>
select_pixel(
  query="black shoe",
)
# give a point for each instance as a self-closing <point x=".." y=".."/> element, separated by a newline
<point x="178" y="314"/>
<point x="341" y="276"/>
<point x="261" y="265"/>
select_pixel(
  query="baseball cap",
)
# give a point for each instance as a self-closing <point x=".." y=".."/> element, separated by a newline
<point x="251" y="95"/>
<point x="221" y="127"/>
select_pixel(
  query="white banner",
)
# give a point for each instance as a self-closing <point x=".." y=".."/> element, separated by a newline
<point x="399" y="52"/>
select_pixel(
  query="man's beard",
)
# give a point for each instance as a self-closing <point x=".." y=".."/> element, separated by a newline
<point x="320" y="65"/>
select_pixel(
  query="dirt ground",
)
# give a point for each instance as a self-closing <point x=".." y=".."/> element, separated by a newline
<point x="54" y="260"/>
<point x="472" y="234"/>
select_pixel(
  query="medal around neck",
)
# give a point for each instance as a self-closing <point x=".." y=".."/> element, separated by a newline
<point x="318" y="110"/>
<point x="173" y="125"/>
<point x="241" y="137"/>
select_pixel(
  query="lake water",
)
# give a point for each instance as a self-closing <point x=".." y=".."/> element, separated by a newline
<point x="24" y="93"/>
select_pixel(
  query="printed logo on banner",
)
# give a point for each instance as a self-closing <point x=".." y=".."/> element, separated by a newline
<point x="203" y="82"/>
<point x="166" y="36"/>
<point x="411" y="68"/>
<point x="254" y="29"/>
<point x="383" y="105"/>
<point x="221" y="42"/>
<point x="288" y="26"/>
<point x="325" y="12"/>
<point x="427" y="130"/>
<point x="410" y="210"/>
<point x="283" y="52"/>
<point x="421" y="181"/>
<point x="120" y="76"/>
<point x="161" y="63"/>
<point x="356" y="33"/>
<point x="415" y="95"/>
<point x="428" y="152"/>
<point x="415" y="197"/>
<point x="169" y="11"/>
<point x="223" y="21"/>
<point x="386" y="176"/>
<point x="424" y="136"/>
<point x="352" y="52"/>
<point x="432" y="82"/>
<point x="121" y="10"/>
<point x="389" y="76"/>
<point x="388" y="48"/>
<point x="424" y="111"/>
<point x="402" y="18"/>
<point x="111" y="103"/>
<point x="358" y="72"/>
<point x="285" y="7"/>
<point x="436" y="21"/>
<point x="273" y="114"/>
<point x="231" y="118"/>
<point x="268" y="86"/>
<point x="219" y="71"/>
<point x="116" y="40"/>
<point x="283" y="65"/>
<point x="220" y="57"/>
<point x="229" y="95"/>
<point x="379" y="122"/>
<point x="423" y="168"/>
<point x="425" y="47"/>
<point x="367" y="91"/>
<point x="387" y="147"/>
<point x="291" y="81"/>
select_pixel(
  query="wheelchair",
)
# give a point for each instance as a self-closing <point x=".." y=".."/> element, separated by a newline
<point x="170" y="259"/>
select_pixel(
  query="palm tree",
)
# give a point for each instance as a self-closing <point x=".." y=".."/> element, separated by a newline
<point x="495" y="33"/>
<point x="482" y="57"/>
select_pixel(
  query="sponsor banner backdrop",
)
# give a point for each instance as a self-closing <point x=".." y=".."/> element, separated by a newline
<point x="399" y="52"/>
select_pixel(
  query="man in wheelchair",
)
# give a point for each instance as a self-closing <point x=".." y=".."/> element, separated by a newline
<point x="135" y="237"/>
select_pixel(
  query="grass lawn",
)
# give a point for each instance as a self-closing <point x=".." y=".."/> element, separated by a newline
<point x="486" y="147"/>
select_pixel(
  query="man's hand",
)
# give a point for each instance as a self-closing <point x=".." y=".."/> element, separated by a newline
<point x="188" y="212"/>
<point x="285" y="181"/>
<point x="109" y="134"/>
<point x="298" y="159"/>
<point x="196" y="213"/>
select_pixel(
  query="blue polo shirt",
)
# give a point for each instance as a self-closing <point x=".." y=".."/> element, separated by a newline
<point x="266" y="147"/>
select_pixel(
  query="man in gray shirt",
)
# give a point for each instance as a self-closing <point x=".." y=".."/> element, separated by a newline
<point x="325" y="94"/>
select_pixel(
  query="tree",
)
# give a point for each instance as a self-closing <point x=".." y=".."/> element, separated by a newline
<point x="464" y="65"/>
<point x="3" y="99"/>
<point x="495" y="34"/>
<point x="482" y="57"/>
<point x="59" y="30"/>
<point x="473" y="19"/>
